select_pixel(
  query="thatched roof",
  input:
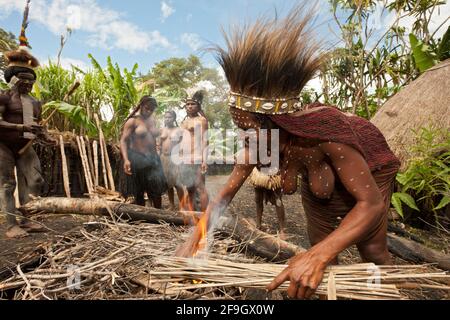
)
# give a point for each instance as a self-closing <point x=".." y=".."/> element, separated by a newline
<point x="424" y="102"/>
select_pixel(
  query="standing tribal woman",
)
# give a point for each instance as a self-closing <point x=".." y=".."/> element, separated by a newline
<point x="194" y="152"/>
<point x="346" y="165"/>
<point x="170" y="137"/>
<point x="141" y="160"/>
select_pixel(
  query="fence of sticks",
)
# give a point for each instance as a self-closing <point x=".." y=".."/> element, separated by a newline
<point x="78" y="166"/>
<point x="116" y="260"/>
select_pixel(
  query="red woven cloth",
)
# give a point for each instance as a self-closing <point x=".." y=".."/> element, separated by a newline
<point x="330" y="124"/>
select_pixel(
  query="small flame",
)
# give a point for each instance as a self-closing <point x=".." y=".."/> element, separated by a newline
<point x="202" y="229"/>
<point x="187" y="208"/>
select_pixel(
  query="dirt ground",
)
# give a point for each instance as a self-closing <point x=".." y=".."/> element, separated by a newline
<point x="14" y="251"/>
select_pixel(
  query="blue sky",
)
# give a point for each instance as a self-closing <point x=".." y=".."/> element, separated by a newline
<point x="132" y="31"/>
<point x="145" y="31"/>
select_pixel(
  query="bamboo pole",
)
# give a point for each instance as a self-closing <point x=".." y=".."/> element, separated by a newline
<point x="90" y="159"/>
<point x="65" y="170"/>
<point x="86" y="178"/>
<point x="95" y="152"/>
<point x="102" y="152"/>
<point x="105" y="155"/>
<point x="86" y="161"/>
<point x="331" y="288"/>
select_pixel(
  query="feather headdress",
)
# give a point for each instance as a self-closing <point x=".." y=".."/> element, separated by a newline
<point x="268" y="63"/>
<point x="21" y="60"/>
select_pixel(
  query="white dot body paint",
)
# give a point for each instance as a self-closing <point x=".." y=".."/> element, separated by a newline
<point x="367" y="186"/>
<point x="362" y="172"/>
<point x="342" y="157"/>
<point x="352" y="179"/>
<point x="339" y="169"/>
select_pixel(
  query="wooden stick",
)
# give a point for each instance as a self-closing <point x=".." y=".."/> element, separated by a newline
<point x="90" y="159"/>
<point x="65" y="170"/>
<point x="86" y="178"/>
<point x="102" y="152"/>
<point x="331" y="289"/>
<point x="105" y="154"/>
<point x="86" y="161"/>
<point x="95" y="152"/>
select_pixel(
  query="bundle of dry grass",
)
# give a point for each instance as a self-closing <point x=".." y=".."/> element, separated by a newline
<point x="104" y="260"/>
<point x="360" y="281"/>
<point x="113" y="260"/>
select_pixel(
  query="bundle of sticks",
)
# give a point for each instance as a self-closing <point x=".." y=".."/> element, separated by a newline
<point x="359" y="281"/>
<point x="113" y="260"/>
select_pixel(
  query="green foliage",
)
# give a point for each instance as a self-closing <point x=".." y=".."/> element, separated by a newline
<point x="176" y="74"/>
<point x="358" y="76"/>
<point x="76" y="114"/>
<point x="425" y="184"/>
<point x="120" y="93"/>
<point x="110" y="88"/>
<point x="444" y="46"/>
<point x="400" y="197"/>
<point x="7" y="42"/>
<point x="422" y="53"/>
<point x="173" y="76"/>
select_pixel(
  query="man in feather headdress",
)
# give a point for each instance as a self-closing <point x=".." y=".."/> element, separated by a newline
<point x="194" y="143"/>
<point x="347" y="169"/>
<point x="19" y="117"/>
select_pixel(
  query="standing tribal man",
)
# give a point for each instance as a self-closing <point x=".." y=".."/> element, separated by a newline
<point x="170" y="137"/>
<point x="19" y="117"/>
<point x="346" y="165"/>
<point x="268" y="189"/>
<point x="194" y="148"/>
<point x="141" y="161"/>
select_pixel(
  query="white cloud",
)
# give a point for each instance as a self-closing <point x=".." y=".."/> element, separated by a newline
<point x="193" y="40"/>
<point x="189" y="17"/>
<point x="105" y="27"/>
<point x="166" y="11"/>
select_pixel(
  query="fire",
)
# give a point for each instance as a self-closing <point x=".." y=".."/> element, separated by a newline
<point x="200" y="237"/>
<point x="186" y="207"/>
<point x="202" y="229"/>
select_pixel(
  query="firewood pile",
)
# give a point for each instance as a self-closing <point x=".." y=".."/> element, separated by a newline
<point x="116" y="260"/>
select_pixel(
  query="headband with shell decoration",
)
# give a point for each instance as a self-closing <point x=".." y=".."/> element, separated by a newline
<point x="268" y="63"/>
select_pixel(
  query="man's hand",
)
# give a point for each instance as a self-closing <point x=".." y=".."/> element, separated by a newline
<point x="127" y="167"/>
<point x="34" y="129"/>
<point x="305" y="273"/>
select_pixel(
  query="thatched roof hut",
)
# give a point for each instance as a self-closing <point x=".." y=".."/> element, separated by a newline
<point x="424" y="102"/>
